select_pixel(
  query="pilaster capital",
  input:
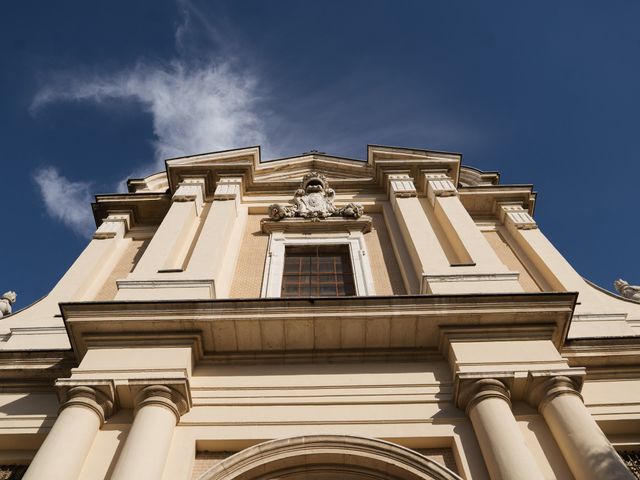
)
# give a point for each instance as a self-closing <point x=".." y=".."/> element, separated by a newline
<point x="439" y="185"/>
<point x="401" y="186"/>
<point x="473" y="388"/>
<point x="228" y="188"/>
<point x="96" y="395"/>
<point x="115" y="225"/>
<point x="516" y="215"/>
<point x="191" y="190"/>
<point x="542" y="387"/>
<point x="171" y="394"/>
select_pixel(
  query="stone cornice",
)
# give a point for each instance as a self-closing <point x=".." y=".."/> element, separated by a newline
<point x="22" y="369"/>
<point x="225" y="326"/>
<point x="602" y="352"/>
<point x="304" y="225"/>
<point x="281" y="176"/>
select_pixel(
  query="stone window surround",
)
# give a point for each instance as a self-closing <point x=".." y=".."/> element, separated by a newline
<point x="278" y="241"/>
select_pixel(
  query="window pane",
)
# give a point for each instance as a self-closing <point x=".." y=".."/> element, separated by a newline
<point x="323" y="270"/>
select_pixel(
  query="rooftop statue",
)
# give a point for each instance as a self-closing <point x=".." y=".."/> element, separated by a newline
<point x="632" y="292"/>
<point x="7" y="299"/>
<point x="314" y="200"/>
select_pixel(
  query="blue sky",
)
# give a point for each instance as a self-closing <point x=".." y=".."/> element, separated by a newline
<point x="92" y="93"/>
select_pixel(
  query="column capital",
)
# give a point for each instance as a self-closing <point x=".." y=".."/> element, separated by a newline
<point x="471" y="389"/>
<point x="516" y="215"/>
<point x="115" y="225"/>
<point x="172" y="394"/>
<point x="401" y="186"/>
<point x="542" y="387"/>
<point x="439" y="185"/>
<point x="96" y="395"/>
<point x="191" y="190"/>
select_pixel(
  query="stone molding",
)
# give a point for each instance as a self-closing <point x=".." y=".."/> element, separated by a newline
<point x="172" y="394"/>
<point x="333" y="224"/>
<point x="545" y="386"/>
<point x="168" y="283"/>
<point x="473" y="388"/>
<point x="325" y="234"/>
<point x="471" y="277"/>
<point x="517" y="216"/>
<point x="115" y="225"/>
<point x="297" y="454"/>
<point x="402" y="186"/>
<point x="96" y="395"/>
<point x="439" y="185"/>
<point x="191" y="190"/>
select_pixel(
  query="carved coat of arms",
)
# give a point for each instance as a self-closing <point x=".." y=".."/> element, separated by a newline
<point x="314" y="200"/>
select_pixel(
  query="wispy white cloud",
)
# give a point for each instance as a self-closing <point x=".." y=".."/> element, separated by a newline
<point x="193" y="108"/>
<point x="66" y="201"/>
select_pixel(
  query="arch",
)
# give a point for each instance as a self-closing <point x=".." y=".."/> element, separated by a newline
<point x="324" y="456"/>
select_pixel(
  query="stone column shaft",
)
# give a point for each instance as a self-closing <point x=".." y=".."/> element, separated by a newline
<point x="67" y="445"/>
<point x="503" y="448"/>
<point x="584" y="446"/>
<point x="147" y="445"/>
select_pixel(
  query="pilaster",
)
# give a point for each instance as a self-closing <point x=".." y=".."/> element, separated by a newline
<point x="555" y="269"/>
<point x="419" y="236"/>
<point x="213" y="246"/>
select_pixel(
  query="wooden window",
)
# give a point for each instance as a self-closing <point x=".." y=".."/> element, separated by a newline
<point x="317" y="271"/>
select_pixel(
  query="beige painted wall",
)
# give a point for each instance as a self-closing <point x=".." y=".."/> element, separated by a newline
<point x="247" y="279"/>
<point x="124" y="267"/>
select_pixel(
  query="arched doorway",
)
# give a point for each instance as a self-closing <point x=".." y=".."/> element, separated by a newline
<point x="324" y="457"/>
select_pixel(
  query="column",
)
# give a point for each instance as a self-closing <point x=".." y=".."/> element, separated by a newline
<point x="584" y="446"/>
<point x="487" y="403"/>
<point x="213" y="246"/>
<point x="67" y="445"/>
<point x="158" y="410"/>
<point x="169" y="244"/>
<point x="422" y="243"/>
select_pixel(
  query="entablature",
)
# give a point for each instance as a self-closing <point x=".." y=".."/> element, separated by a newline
<point x="271" y="326"/>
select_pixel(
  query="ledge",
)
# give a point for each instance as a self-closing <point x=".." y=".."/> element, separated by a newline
<point x="255" y="327"/>
<point x="304" y="225"/>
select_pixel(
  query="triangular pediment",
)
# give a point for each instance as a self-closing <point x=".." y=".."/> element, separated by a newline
<point x="280" y="175"/>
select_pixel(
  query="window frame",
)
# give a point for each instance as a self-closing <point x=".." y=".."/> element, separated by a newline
<point x="278" y="241"/>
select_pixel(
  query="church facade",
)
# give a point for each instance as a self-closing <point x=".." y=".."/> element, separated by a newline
<point x="316" y="317"/>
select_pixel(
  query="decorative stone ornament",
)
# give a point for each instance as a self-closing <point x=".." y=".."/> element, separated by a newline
<point x="314" y="200"/>
<point x="7" y="299"/>
<point x="632" y="292"/>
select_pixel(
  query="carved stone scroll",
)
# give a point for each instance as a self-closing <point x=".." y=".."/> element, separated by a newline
<point x="314" y="200"/>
